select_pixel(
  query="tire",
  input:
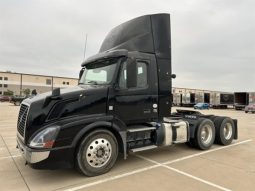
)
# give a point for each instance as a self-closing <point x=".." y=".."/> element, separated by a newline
<point x="205" y="134"/>
<point x="246" y="111"/>
<point x="191" y="144"/>
<point x="225" y="130"/>
<point x="99" y="142"/>
<point x="212" y="118"/>
<point x="17" y="103"/>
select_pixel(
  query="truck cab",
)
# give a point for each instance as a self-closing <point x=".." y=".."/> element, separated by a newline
<point x="122" y="104"/>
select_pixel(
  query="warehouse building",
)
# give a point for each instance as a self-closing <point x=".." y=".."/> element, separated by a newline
<point x="18" y="82"/>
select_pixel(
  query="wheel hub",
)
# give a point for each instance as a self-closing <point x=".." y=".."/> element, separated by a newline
<point x="98" y="152"/>
<point x="227" y="131"/>
<point x="206" y="134"/>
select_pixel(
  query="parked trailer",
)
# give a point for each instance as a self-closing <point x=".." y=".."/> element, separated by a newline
<point x="177" y="99"/>
<point x="243" y="99"/>
<point x="188" y="99"/>
<point x="251" y="97"/>
<point x="181" y="98"/>
<point x="124" y="107"/>
<point x="199" y="97"/>
<point x="221" y="100"/>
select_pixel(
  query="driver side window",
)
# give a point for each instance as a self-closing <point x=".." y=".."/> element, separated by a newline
<point x="140" y="76"/>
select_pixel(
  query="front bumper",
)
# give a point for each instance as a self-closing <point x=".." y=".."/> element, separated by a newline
<point x="30" y="155"/>
<point x="47" y="159"/>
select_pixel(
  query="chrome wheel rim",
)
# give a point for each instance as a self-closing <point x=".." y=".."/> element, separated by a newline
<point x="228" y="131"/>
<point x="206" y="134"/>
<point x="98" y="152"/>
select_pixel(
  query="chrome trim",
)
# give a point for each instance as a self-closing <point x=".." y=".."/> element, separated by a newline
<point x="32" y="157"/>
<point x="228" y="131"/>
<point x="23" y="138"/>
<point x="144" y="148"/>
<point x="206" y="134"/>
<point x="182" y="130"/>
<point x="168" y="134"/>
<point x="140" y="129"/>
<point x="19" y="136"/>
<point x="39" y="156"/>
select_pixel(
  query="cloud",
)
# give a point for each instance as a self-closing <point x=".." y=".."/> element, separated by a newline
<point x="213" y="42"/>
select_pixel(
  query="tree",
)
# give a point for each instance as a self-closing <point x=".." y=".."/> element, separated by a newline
<point x="9" y="93"/>
<point x="26" y="91"/>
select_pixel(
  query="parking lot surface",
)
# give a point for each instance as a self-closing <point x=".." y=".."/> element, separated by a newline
<point x="177" y="167"/>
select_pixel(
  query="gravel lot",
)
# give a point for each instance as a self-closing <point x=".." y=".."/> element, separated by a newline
<point x="177" y="167"/>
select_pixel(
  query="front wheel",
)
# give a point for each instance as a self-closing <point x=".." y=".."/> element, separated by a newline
<point x="97" y="153"/>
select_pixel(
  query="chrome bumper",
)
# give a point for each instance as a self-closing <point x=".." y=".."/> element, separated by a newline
<point x="30" y="155"/>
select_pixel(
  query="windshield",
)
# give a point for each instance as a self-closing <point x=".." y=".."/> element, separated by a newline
<point x="100" y="72"/>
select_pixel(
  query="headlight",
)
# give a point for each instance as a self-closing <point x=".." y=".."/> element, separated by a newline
<point x="45" y="138"/>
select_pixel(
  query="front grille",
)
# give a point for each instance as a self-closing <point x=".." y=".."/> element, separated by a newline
<point x="23" y="112"/>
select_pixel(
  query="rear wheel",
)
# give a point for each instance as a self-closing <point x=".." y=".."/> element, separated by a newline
<point x="225" y="130"/>
<point x="97" y="153"/>
<point x="205" y="134"/>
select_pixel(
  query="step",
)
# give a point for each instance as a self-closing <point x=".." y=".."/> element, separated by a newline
<point x="140" y="129"/>
<point x="143" y="148"/>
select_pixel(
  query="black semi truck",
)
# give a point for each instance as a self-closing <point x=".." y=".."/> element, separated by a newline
<point x="121" y="105"/>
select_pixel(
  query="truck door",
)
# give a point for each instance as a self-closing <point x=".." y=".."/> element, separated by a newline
<point x="136" y="98"/>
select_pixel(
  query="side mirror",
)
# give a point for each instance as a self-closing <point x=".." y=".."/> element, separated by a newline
<point x="173" y="76"/>
<point x="56" y="92"/>
<point x="81" y="72"/>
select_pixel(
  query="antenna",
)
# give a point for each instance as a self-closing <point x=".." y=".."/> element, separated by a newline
<point x="85" y="47"/>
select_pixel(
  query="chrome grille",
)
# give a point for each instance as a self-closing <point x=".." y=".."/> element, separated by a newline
<point x="23" y="112"/>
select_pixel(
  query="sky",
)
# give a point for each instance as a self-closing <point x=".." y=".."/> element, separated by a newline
<point x="213" y="41"/>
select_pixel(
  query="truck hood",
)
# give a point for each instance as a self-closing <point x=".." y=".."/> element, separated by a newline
<point x="66" y="93"/>
<point x="79" y="100"/>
